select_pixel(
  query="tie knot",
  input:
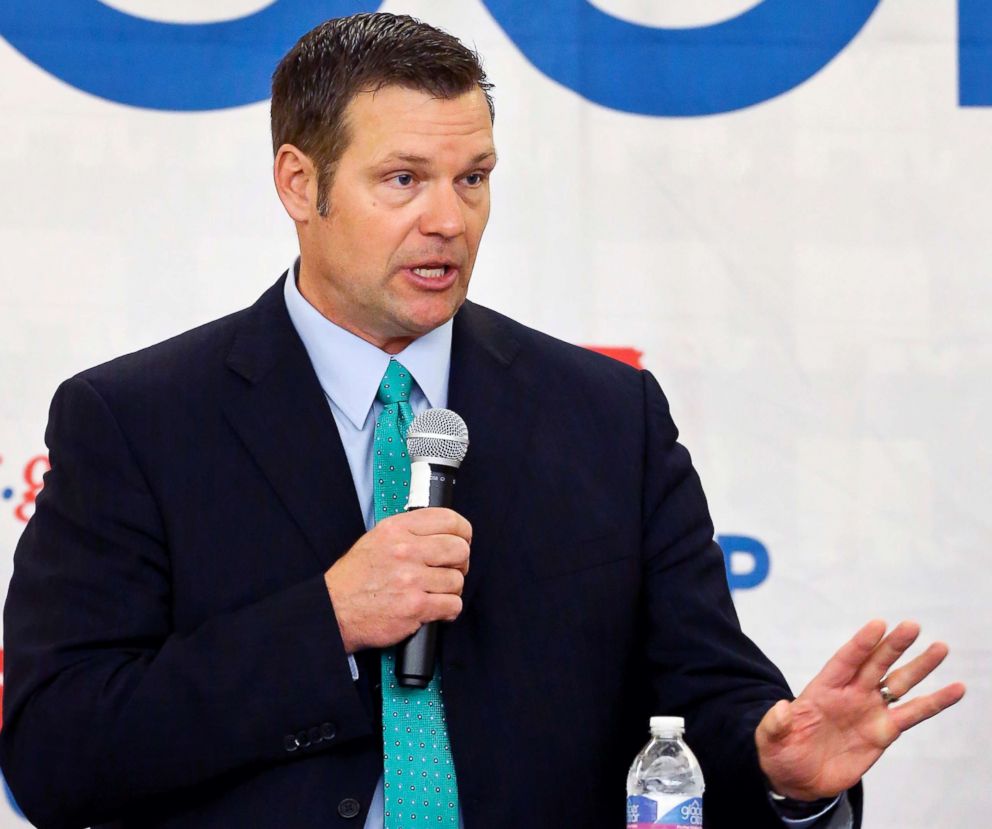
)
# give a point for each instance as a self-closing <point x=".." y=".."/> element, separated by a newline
<point x="395" y="384"/>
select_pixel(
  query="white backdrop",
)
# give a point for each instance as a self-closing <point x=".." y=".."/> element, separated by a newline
<point x="808" y="278"/>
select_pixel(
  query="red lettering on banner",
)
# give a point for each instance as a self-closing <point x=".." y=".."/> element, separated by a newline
<point x="34" y="473"/>
<point x="625" y="354"/>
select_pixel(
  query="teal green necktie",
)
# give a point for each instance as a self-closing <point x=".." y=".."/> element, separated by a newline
<point x="418" y="773"/>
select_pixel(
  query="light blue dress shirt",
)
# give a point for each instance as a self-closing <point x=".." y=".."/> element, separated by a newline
<point x="349" y="370"/>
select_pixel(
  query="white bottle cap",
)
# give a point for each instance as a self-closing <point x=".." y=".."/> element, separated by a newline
<point x="665" y="726"/>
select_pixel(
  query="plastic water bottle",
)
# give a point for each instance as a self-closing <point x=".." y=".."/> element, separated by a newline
<point x="665" y="783"/>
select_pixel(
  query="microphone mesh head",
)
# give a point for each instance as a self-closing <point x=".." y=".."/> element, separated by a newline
<point x="438" y="434"/>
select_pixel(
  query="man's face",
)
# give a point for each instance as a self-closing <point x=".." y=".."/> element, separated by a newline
<point x="392" y="258"/>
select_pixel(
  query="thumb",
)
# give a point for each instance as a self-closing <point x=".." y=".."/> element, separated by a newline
<point x="777" y="721"/>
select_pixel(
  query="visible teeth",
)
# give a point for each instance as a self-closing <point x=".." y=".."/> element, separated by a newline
<point x="430" y="273"/>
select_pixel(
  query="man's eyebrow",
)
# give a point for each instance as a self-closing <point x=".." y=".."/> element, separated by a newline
<point x="406" y="158"/>
<point x="423" y="161"/>
<point x="485" y="157"/>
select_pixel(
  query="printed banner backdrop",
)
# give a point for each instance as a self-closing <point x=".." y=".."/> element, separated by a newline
<point x="780" y="208"/>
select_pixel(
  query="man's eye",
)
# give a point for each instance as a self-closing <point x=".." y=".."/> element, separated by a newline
<point x="474" y="179"/>
<point x="403" y="179"/>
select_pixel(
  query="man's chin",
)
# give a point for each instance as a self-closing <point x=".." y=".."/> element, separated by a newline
<point x="422" y="320"/>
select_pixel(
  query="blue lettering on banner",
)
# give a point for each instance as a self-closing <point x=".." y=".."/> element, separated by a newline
<point x="649" y="70"/>
<point x="155" y="65"/>
<point x="975" y="53"/>
<point x="742" y="545"/>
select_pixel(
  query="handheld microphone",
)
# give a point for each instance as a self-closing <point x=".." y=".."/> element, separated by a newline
<point x="436" y="443"/>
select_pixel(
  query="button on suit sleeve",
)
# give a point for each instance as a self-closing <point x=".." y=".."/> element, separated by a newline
<point x="104" y="702"/>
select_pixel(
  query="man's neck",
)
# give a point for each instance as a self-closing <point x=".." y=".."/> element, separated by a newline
<point x="309" y="291"/>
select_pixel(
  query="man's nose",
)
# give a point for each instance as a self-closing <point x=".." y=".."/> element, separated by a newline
<point x="443" y="212"/>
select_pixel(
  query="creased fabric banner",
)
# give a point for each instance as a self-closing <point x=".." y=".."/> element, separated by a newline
<point x="780" y="208"/>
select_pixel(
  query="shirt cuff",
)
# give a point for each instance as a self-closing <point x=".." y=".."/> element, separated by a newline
<point x="354" y="667"/>
<point x="798" y="814"/>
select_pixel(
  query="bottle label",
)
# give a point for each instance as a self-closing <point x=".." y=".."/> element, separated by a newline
<point x="668" y="811"/>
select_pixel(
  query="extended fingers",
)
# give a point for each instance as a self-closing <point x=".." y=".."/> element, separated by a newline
<point x="917" y="710"/>
<point x="886" y="653"/>
<point x="902" y="681"/>
<point x="844" y="665"/>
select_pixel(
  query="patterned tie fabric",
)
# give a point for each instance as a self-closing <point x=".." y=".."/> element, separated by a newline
<point x="418" y="773"/>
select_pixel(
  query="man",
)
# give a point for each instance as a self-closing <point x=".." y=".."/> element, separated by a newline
<point x="201" y="619"/>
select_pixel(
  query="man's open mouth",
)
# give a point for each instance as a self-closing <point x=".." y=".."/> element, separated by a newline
<point x="431" y="271"/>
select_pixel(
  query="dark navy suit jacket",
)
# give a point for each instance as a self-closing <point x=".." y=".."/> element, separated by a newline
<point x="172" y="656"/>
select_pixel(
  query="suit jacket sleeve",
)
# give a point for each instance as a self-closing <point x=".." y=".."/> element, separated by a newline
<point x="702" y="666"/>
<point x="103" y="699"/>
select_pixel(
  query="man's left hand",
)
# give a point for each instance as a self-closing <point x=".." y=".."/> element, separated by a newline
<point x="823" y="742"/>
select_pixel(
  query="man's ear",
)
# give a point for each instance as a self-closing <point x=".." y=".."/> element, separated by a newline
<point x="296" y="182"/>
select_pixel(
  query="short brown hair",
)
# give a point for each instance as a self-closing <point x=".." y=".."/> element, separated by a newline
<point x="317" y="79"/>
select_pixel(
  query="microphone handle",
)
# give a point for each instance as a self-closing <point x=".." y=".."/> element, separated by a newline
<point x="431" y="485"/>
<point x="415" y="657"/>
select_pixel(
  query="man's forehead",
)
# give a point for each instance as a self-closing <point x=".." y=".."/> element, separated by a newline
<point x="413" y="98"/>
<point x="393" y="117"/>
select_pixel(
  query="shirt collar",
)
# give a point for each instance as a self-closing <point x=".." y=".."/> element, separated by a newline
<point x="349" y="368"/>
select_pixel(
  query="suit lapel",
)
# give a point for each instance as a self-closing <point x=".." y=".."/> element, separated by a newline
<point x="493" y="397"/>
<point x="276" y="406"/>
<point x="278" y="409"/>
